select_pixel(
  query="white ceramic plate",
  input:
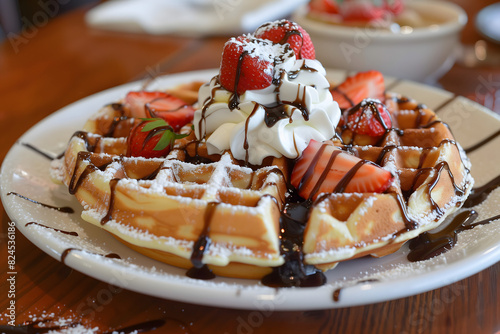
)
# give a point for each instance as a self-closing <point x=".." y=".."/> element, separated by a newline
<point x="27" y="172"/>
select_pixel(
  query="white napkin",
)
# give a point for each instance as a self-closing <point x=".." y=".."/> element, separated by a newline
<point x="189" y="17"/>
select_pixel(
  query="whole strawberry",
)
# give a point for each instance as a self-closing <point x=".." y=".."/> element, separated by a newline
<point x="242" y="68"/>
<point x="285" y="31"/>
<point x="370" y="117"/>
<point x="151" y="138"/>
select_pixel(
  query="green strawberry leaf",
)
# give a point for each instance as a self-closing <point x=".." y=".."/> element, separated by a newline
<point x="168" y="136"/>
<point x="153" y="123"/>
<point x="166" y="139"/>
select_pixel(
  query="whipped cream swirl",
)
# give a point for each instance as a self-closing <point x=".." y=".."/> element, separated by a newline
<point x="276" y="121"/>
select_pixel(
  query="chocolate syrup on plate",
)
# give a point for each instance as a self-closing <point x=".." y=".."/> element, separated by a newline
<point x="430" y="244"/>
<point x="479" y="194"/>
<point x="294" y="273"/>
<point x="66" y="252"/>
<point x="65" y="209"/>
<point x="199" y="269"/>
<point x="337" y="292"/>
<point x="42" y="153"/>
<point x="52" y="228"/>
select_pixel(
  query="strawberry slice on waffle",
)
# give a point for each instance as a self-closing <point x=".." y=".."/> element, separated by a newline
<point x="146" y="104"/>
<point x="325" y="168"/>
<point x="356" y="88"/>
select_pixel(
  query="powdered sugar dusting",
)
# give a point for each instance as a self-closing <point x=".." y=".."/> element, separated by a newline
<point x="52" y="324"/>
<point x="264" y="50"/>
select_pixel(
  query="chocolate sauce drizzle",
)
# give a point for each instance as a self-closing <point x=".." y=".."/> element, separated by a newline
<point x="235" y="97"/>
<point x="478" y="195"/>
<point x="65" y="209"/>
<point x="430" y="244"/>
<point x="438" y="170"/>
<point x="365" y="107"/>
<point x="337" y="292"/>
<point x="108" y="216"/>
<point x="52" y="228"/>
<point x="294" y="273"/>
<point x="196" y="158"/>
<point x="42" y="153"/>
<point x="289" y="33"/>
<point x="66" y="252"/>
<point x="75" y="181"/>
<point x="199" y="269"/>
<point x="344" y="95"/>
<point x="273" y="112"/>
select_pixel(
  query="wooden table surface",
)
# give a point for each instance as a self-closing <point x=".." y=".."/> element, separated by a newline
<point x="63" y="61"/>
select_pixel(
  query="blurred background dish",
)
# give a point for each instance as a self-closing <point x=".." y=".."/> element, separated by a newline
<point x="488" y="22"/>
<point x="419" y="43"/>
<point x="189" y="17"/>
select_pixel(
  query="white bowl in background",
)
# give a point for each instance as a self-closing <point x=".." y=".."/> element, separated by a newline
<point x="420" y="54"/>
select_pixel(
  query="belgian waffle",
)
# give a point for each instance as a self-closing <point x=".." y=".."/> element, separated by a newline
<point x="166" y="208"/>
<point x="192" y="209"/>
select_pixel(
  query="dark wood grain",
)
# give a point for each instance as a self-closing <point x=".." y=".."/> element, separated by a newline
<point x="66" y="61"/>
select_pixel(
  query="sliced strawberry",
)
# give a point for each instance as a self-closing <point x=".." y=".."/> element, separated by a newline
<point x="323" y="6"/>
<point x="370" y="117"/>
<point x="358" y="87"/>
<point x="151" y="138"/>
<point x="285" y="31"/>
<point x="325" y="168"/>
<point x="395" y="7"/>
<point x="361" y="11"/>
<point x="242" y="70"/>
<point x="136" y="102"/>
<point x="174" y="111"/>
